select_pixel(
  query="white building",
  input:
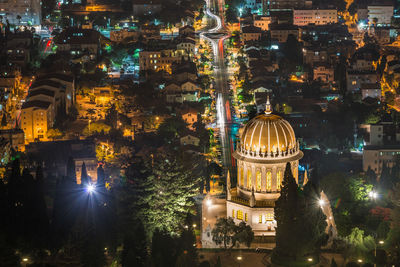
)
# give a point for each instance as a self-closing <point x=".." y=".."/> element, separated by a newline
<point x="382" y="145"/>
<point x="382" y="14"/>
<point x="314" y="16"/>
<point x="266" y="145"/>
<point x="29" y="12"/>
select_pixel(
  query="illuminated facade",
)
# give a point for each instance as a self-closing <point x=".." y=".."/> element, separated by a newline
<point x="36" y="118"/>
<point x="266" y="145"/>
<point x="314" y="16"/>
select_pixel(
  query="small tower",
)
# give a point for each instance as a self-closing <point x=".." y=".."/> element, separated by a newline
<point x="228" y="186"/>
<point x="252" y="198"/>
<point x="268" y="107"/>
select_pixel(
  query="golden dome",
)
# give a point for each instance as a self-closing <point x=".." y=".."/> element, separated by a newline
<point x="268" y="133"/>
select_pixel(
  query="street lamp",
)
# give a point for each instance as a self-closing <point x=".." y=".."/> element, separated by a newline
<point x="373" y="195"/>
<point x="90" y="188"/>
<point x="239" y="258"/>
<point x="321" y="202"/>
<point x="310" y="259"/>
<point x="380" y="242"/>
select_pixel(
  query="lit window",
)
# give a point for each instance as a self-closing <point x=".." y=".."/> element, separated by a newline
<point x="249" y="179"/>
<point x="269" y="217"/>
<point x="260" y="219"/>
<point x="245" y="217"/>
<point x="239" y="215"/>
<point x="278" y="180"/>
<point x="258" y="178"/>
<point x="269" y="181"/>
<point x="233" y="213"/>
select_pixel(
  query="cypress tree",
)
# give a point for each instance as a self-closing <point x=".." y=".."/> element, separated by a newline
<point x="300" y="220"/>
<point x="84" y="175"/>
<point x="134" y="252"/>
<point x="100" y="177"/>
<point x="385" y="180"/>
<point x="71" y="172"/>
<point x="286" y="217"/>
<point x="40" y="219"/>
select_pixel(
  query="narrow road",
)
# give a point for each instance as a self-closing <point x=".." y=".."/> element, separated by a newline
<point x="216" y="37"/>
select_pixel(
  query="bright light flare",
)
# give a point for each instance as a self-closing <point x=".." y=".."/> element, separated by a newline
<point x="321" y="202"/>
<point x="209" y="202"/>
<point x="373" y="195"/>
<point x="90" y="188"/>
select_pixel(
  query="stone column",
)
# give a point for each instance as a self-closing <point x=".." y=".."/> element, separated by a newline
<point x="263" y="179"/>
<point x="273" y="179"/>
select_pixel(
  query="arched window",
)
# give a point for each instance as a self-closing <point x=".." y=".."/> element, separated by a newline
<point x="241" y="176"/>
<point x="269" y="181"/>
<point x="258" y="180"/>
<point x="249" y="179"/>
<point x="278" y="180"/>
<point x="239" y="215"/>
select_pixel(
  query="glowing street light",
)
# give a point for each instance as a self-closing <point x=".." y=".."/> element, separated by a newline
<point x="239" y="258"/>
<point x="310" y="259"/>
<point x="209" y="202"/>
<point x="25" y="259"/>
<point x="321" y="202"/>
<point x="360" y="260"/>
<point x="373" y="195"/>
<point x="381" y="242"/>
<point x="90" y="188"/>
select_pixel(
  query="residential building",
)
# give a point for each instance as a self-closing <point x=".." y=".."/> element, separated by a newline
<point x="371" y="90"/>
<point x="187" y="31"/>
<point x="18" y="48"/>
<point x="280" y="32"/>
<point x="158" y="60"/>
<point x="79" y="41"/>
<point x="302" y="17"/>
<point x="146" y="7"/>
<point x="324" y="73"/>
<point x="186" y="46"/>
<point x="250" y="33"/>
<point x="262" y="22"/>
<point x="182" y="92"/>
<point x="382" y="145"/>
<point x="381" y="14"/>
<point x="355" y="79"/>
<point x="124" y="35"/>
<point x="315" y="55"/>
<point x="10" y="78"/>
<point x="285" y="4"/>
<point x="36" y="118"/>
<point x="256" y="6"/>
<point x="30" y="12"/>
<point x="190" y="117"/>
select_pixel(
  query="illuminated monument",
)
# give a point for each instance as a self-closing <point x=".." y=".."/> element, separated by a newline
<point x="266" y="145"/>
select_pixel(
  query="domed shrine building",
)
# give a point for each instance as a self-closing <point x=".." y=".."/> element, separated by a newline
<point x="266" y="145"/>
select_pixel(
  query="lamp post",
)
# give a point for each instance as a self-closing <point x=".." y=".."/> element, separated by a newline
<point x="380" y="242"/>
<point x="239" y="258"/>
